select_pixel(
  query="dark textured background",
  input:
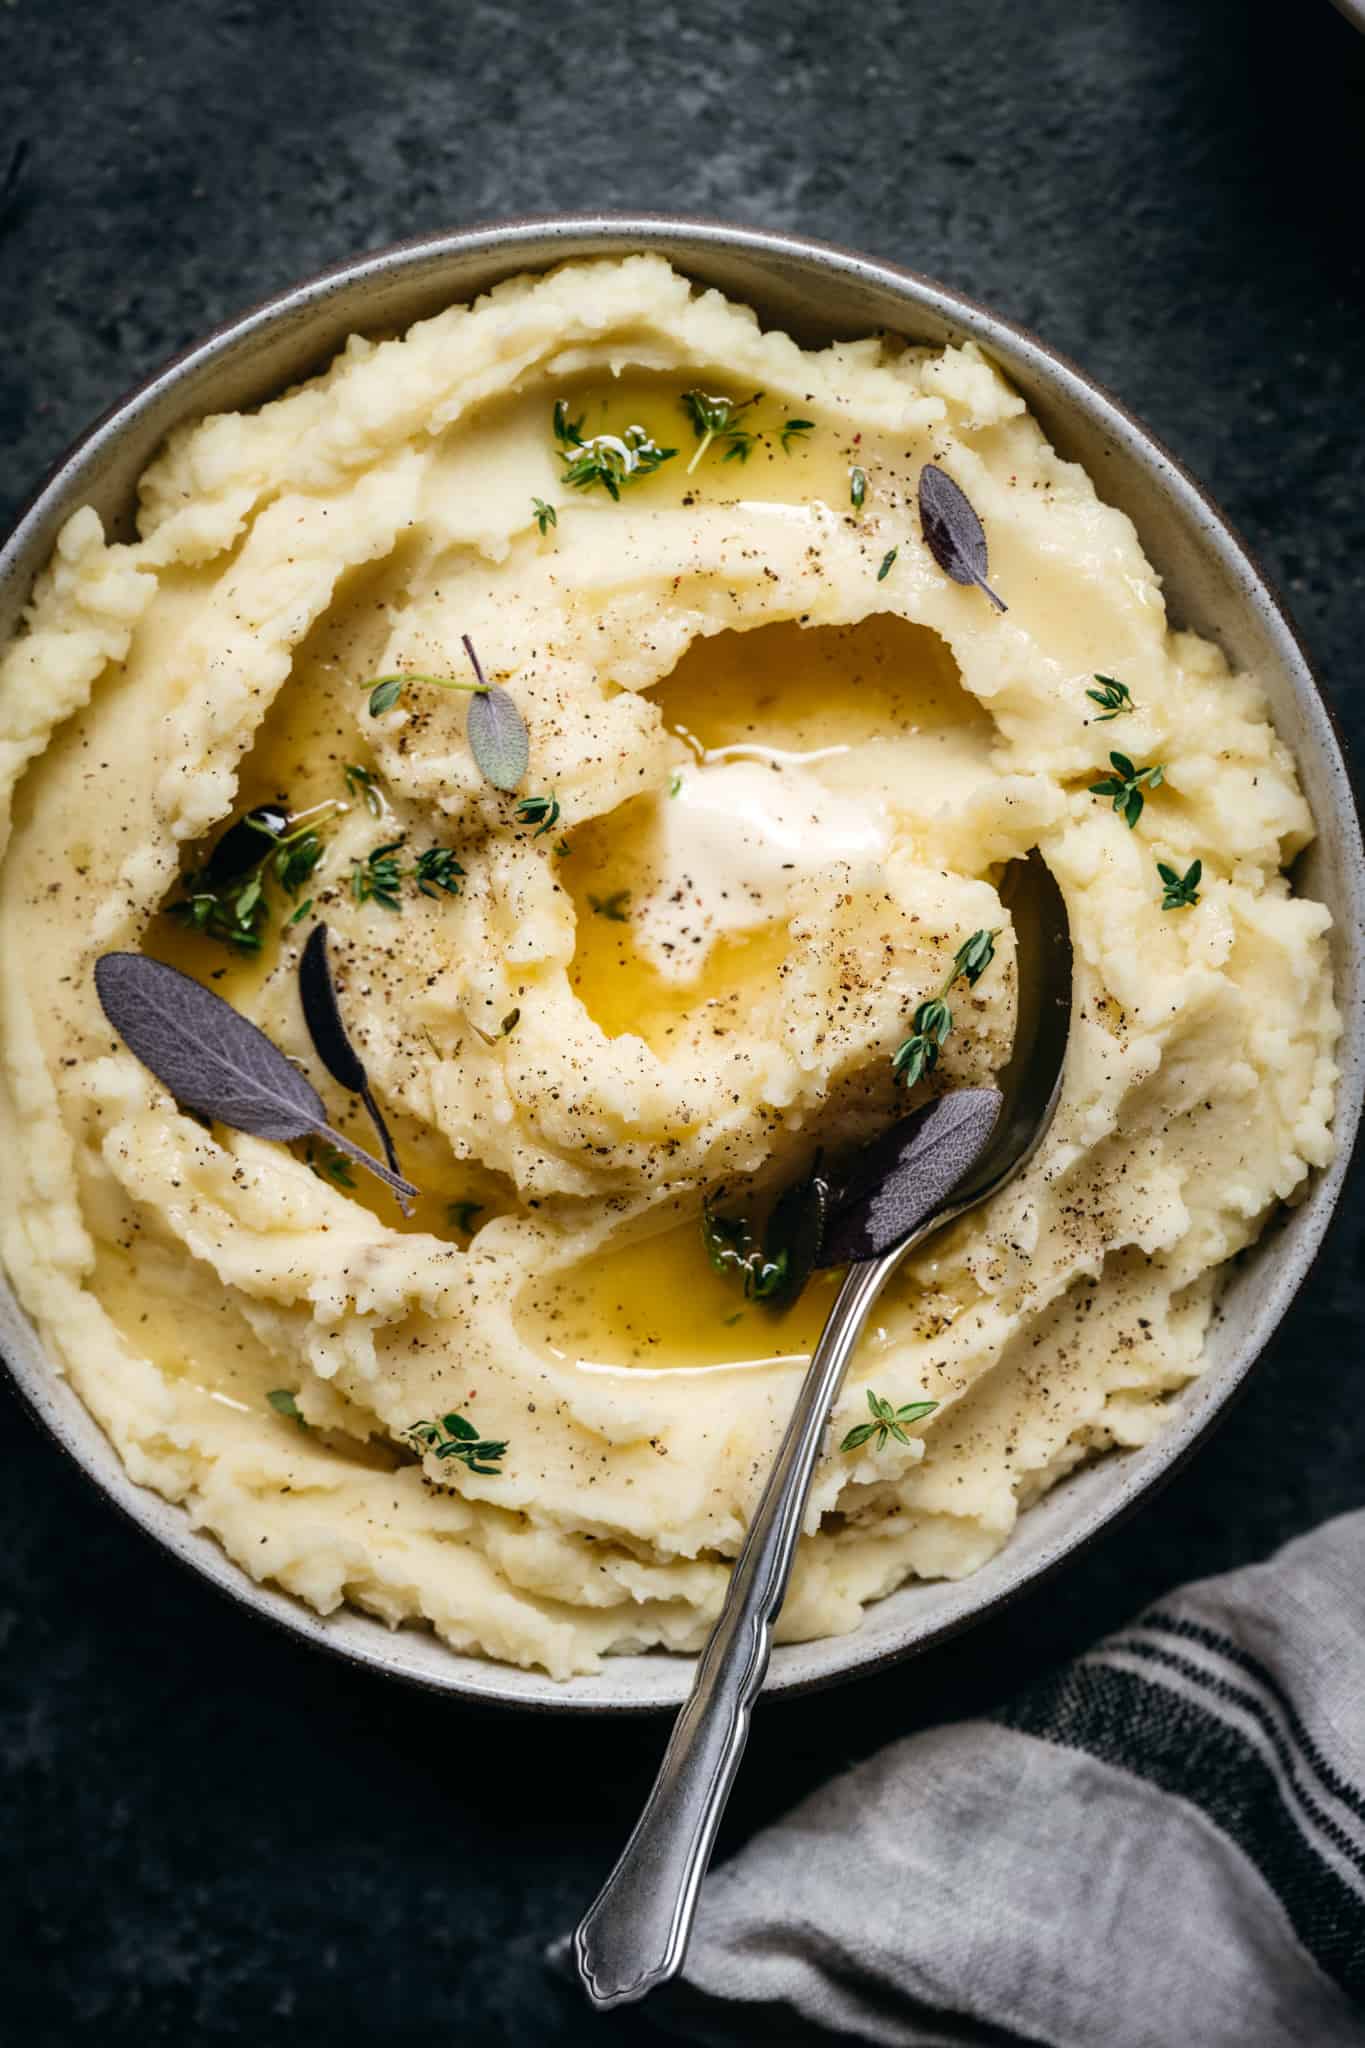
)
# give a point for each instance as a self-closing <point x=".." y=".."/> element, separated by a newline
<point x="210" y="1835"/>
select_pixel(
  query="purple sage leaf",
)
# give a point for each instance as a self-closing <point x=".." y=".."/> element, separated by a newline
<point x="900" y="1179"/>
<point x="327" y="1029"/>
<point x="496" y="731"/>
<point x="795" y="1235"/>
<point x="952" y="532"/>
<point x="213" y="1059"/>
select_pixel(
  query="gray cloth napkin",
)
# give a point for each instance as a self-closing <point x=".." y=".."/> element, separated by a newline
<point x="1163" y="1843"/>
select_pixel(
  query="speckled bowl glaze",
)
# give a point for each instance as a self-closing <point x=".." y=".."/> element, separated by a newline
<point x="818" y="293"/>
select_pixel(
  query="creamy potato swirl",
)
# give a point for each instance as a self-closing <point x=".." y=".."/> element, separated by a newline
<point x="790" y="757"/>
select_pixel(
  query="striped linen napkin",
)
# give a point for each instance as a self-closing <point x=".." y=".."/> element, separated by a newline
<point x="1160" y="1846"/>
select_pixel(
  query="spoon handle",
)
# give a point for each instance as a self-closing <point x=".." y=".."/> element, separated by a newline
<point x="634" y="1935"/>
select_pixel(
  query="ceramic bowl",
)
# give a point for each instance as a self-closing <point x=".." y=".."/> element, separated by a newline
<point x="818" y="293"/>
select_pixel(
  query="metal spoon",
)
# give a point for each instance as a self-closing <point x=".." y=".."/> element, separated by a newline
<point x="634" y="1936"/>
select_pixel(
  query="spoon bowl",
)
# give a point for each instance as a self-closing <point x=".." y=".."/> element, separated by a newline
<point x="1030" y="1082"/>
<point x="634" y="1936"/>
<point x="987" y="1134"/>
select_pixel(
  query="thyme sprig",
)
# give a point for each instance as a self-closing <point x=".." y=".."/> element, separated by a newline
<point x="886" y="1422"/>
<point x="385" y="691"/>
<point x="608" y="460"/>
<point x="437" y="872"/>
<point x="933" y="1020"/>
<point x="1113" y="698"/>
<point x="1126" y="786"/>
<point x="545" y="515"/>
<point x="329" y="1164"/>
<point x="1181" y="891"/>
<point x="540" y="811"/>
<point x="364" y="783"/>
<point x="229" y="897"/>
<point x="795" y="430"/>
<point x="717" y="419"/>
<point x="454" y="1436"/>
<point x="379" y="877"/>
<point x="732" y="1248"/>
<point x="777" y="1269"/>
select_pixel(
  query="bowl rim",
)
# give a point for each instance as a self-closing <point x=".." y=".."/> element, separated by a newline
<point x="619" y="233"/>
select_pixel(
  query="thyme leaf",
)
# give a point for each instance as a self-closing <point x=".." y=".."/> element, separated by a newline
<point x="568" y="433"/>
<point x="385" y="691"/>
<point x="886" y="564"/>
<point x="507" y="1026"/>
<point x="284" y="1402"/>
<point x="615" y="908"/>
<point x="857" y="488"/>
<point x="329" y="1164"/>
<point x="385" y="694"/>
<point x="974" y="956"/>
<point x="795" y="430"/>
<point x="545" y="515"/>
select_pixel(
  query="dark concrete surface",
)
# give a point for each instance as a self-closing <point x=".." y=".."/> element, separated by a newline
<point x="210" y="1835"/>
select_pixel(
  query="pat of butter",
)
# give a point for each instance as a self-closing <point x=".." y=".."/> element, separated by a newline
<point x="734" y="842"/>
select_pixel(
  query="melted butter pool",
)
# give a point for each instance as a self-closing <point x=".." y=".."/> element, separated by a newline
<point x="660" y="1303"/>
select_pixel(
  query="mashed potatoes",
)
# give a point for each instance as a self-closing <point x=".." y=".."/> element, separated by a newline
<point x="779" y="758"/>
